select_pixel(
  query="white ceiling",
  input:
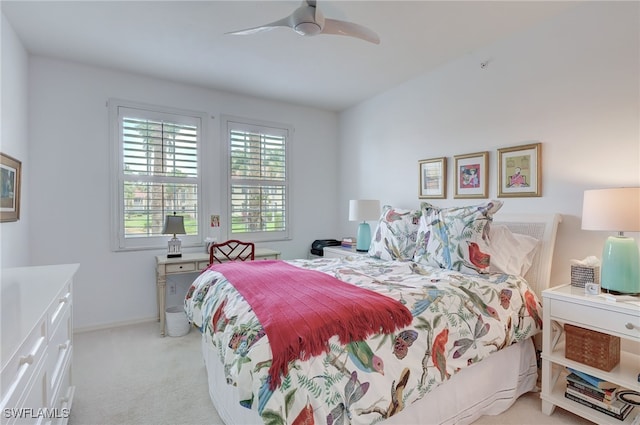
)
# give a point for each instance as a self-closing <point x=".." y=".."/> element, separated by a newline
<point x="185" y="41"/>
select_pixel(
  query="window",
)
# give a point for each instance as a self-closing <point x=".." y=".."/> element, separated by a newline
<point x="156" y="154"/>
<point x="258" y="180"/>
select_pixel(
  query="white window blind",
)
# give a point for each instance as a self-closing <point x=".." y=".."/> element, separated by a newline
<point x="158" y="166"/>
<point x="258" y="190"/>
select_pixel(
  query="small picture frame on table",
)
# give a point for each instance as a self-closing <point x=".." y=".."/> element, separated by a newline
<point x="471" y="175"/>
<point x="10" y="174"/>
<point x="520" y="171"/>
<point x="432" y="178"/>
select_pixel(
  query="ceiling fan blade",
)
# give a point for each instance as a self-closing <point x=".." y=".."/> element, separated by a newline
<point x="336" y="27"/>
<point x="284" y="22"/>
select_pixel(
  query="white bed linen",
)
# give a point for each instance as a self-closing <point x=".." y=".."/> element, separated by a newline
<point x="487" y="388"/>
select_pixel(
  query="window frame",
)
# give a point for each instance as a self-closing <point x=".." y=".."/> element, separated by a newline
<point x="118" y="240"/>
<point x="228" y="123"/>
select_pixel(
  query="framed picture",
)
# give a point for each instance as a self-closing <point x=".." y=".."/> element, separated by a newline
<point x="10" y="169"/>
<point x="432" y="178"/>
<point x="472" y="175"/>
<point x="520" y="171"/>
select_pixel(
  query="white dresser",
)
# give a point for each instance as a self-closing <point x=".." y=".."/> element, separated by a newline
<point x="37" y="344"/>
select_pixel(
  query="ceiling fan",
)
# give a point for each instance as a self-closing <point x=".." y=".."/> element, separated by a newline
<point x="308" y="20"/>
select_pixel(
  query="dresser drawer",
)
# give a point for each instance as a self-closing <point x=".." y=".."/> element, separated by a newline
<point x="603" y="320"/>
<point x="181" y="268"/>
<point x="61" y="305"/>
<point x="59" y="351"/>
<point x="63" y="397"/>
<point x="19" y="370"/>
<point x="203" y="265"/>
<point x="26" y="410"/>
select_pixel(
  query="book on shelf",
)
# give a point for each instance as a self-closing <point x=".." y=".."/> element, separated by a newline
<point x="592" y="380"/>
<point x="615" y="405"/>
<point x="620" y="416"/>
<point x="603" y="394"/>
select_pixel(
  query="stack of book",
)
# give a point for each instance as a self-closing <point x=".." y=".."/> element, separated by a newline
<point x="348" y="242"/>
<point x="596" y="393"/>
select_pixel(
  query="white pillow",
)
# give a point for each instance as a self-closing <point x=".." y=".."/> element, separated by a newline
<point x="511" y="253"/>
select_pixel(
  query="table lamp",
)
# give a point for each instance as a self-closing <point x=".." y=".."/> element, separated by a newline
<point x="174" y="224"/>
<point x="617" y="210"/>
<point x="363" y="209"/>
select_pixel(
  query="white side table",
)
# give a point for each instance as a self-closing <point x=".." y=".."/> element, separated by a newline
<point x="189" y="263"/>
<point x="568" y="304"/>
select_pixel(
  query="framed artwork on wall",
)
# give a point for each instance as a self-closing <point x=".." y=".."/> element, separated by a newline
<point x="10" y="170"/>
<point x="471" y="175"/>
<point x="432" y="178"/>
<point x="520" y="171"/>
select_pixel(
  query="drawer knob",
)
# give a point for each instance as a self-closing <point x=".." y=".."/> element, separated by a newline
<point x="64" y="299"/>
<point x="629" y="325"/>
<point x="63" y="346"/>
<point x="26" y="359"/>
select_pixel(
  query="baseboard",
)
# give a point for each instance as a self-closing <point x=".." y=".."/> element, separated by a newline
<point x="83" y="329"/>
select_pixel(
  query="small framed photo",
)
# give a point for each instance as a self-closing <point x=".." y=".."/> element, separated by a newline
<point x="10" y="170"/>
<point x="472" y="175"/>
<point x="520" y="171"/>
<point x="432" y="178"/>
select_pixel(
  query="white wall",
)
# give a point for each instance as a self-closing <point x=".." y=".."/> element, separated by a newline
<point x="69" y="150"/>
<point x="572" y="84"/>
<point x="14" y="141"/>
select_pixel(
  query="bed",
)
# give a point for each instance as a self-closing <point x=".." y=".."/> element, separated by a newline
<point x="466" y="350"/>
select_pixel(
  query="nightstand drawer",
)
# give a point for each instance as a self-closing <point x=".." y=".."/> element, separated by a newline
<point x="608" y="321"/>
<point x="181" y="268"/>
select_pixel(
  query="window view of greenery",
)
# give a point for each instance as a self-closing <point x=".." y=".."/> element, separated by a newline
<point x="160" y="175"/>
<point x="258" y="182"/>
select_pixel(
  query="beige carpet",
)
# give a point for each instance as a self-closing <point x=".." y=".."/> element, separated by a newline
<point x="130" y="375"/>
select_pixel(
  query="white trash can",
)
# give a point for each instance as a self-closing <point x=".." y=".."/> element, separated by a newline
<point x="176" y="321"/>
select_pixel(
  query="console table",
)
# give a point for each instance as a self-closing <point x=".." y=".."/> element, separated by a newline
<point x="189" y="263"/>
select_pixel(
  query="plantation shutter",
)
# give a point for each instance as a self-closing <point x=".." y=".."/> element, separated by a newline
<point x="258" y="180"/>
<point x="159" y="172"/>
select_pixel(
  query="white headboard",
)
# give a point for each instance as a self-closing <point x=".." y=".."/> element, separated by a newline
<point x="542" y="227"/>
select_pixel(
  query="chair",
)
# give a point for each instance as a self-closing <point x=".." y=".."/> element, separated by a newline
<point x="231" y="250"/>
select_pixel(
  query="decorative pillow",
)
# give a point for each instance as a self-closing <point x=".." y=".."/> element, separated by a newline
<point x="448" y="237"/>
<point x="395" y="236"/>
<point x="511" y="253"/>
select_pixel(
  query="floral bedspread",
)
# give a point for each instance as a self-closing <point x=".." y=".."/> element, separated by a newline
<point x="458" y="320"/>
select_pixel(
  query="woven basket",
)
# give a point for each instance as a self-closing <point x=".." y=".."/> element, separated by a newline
<point x="592" y="348"/>
<point x="584" y="274"/>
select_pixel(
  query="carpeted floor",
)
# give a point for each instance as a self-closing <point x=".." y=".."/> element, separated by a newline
<point x="130" y="375"/>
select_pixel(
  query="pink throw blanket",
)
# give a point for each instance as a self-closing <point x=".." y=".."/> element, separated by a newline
<point x="301" y="309"/>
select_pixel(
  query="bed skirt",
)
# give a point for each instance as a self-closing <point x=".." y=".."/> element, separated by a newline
<point x="486" y="388"/>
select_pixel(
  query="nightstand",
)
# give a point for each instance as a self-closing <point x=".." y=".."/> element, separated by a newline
<point x="568" y="304"/>
<point x="340" y="252"/>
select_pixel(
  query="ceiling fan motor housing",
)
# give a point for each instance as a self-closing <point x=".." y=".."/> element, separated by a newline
<point x="308" y="28"/>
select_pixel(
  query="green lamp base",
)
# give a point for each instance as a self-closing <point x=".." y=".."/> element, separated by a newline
<point x="620" y="270"/>
<point x="363" y="239"/>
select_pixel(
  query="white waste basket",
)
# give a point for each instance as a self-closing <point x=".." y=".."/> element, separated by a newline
<point x="176" y="321"/>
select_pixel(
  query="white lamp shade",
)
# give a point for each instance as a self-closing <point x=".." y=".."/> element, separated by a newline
<point x="364" y="210"/>
<point x="616" y="210"/>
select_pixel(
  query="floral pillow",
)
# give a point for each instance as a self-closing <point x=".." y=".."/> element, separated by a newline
<point x="395" y="236"/>
<point x="448" y="237"/>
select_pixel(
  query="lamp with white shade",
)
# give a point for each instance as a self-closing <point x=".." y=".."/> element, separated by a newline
<point x="363" y="210"/>
<point x="174" y="224"/>
<point x="616" y="210"/>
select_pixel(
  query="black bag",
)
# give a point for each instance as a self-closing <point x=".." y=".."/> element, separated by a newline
<point x="317" y="247"/>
